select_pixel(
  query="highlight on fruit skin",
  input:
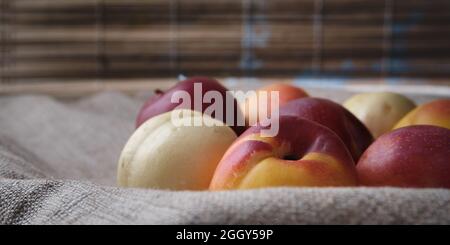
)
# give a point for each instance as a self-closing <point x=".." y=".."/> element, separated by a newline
<point x="162" y="155"/>
<point x="303" y="153"/>
<point x="335" y="117"/>
<point x="379" y="111"/>
<point x="413" y="156"/>
<point x="435" y="113"/>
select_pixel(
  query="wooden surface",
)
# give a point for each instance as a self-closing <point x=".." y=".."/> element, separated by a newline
<point x="111" y="39"/>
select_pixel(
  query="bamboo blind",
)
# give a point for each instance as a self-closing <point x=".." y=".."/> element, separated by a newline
<point x="119" y="39"/>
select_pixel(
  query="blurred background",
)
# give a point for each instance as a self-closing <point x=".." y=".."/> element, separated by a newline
<point x="82" y="45"/>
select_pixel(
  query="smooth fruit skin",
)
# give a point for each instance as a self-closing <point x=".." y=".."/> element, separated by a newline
<point x="161" y="101"/>
<point x="379" y="111"/>
<point x="287" y="93"/>
<point x="164" y="156"/>
<point x="318" y="158"/>
<point x="335" y="117"/>
<point x="414" y="156"/>
<point x="435" y="113"/>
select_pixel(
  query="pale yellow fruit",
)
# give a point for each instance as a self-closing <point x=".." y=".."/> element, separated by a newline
<point x="163" y="155"/>
<point x="379" y="111"/>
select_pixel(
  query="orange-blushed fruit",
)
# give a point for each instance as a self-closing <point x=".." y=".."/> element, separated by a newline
<point x="303" y="153"/>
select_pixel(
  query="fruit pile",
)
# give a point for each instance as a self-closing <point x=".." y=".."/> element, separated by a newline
<point x="374" y="139"/>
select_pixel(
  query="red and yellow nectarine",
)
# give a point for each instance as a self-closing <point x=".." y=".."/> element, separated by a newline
<point x="161" y="102"/>
<point x="435" y="113"/>
<point x="304" y="153"/>
<point x="414" y="156"/>
<point x="335" y="117"/>
<point x="286" y="92"/>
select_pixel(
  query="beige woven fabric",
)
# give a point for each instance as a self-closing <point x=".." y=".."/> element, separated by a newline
<point x="58" y="166"/>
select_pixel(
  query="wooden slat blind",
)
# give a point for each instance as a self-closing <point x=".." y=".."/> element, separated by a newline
<point x="90" y="39"/>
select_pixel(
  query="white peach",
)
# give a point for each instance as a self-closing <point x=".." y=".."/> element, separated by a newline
<point x="164" y="154"/>
<point x="379" y="111"/>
